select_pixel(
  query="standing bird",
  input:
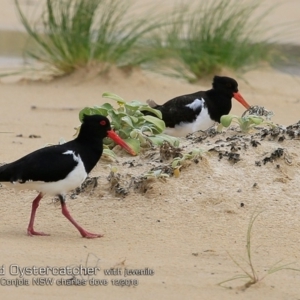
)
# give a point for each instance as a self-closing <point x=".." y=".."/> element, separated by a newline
<point x="57" y="169"/>
<point x="199" y="111"/>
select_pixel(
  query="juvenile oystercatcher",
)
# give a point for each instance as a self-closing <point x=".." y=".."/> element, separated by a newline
<point x="199" y="111"/>
<point x="55" y="170"/>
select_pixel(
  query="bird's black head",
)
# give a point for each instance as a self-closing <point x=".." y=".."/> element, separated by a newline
<point x="95" y="128"/>
<point x="229" y="88"/>
<point x="97" y="125"/>
<point x="225" y="84"/>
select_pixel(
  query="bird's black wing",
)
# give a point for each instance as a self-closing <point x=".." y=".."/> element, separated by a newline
<point x="47" y="164"/>
<point x="181" y="109"/>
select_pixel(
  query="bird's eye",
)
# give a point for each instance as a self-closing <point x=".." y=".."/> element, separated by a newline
<point x="103" y="123"/>
<point x="228" y="84"/>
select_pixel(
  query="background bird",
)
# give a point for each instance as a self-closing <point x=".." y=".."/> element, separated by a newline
<point x="199" y="111"/>
<point x="55" y="170"/>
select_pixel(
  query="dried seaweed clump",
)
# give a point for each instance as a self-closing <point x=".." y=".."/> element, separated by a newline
<point x="259" y="111"/>
<point x="121" y="185"/>
<point x="275" y="155"/>
<point x="168" y="151"/>
<point x="88" y="186"/>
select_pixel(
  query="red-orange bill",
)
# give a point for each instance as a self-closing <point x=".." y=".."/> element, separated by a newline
<point x="111" y="134"/>
<point x="240" y="98"/>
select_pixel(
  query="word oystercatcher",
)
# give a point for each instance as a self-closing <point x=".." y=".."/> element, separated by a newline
<point x="57" y="169"/>
<point x="199" y="111"/>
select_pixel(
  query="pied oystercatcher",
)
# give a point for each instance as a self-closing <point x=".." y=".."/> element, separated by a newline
<point x="199" y="111"/>
<point x="57" y="169"/>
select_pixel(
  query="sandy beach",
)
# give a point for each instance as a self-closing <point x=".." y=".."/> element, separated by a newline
<point x="178" y="234"/>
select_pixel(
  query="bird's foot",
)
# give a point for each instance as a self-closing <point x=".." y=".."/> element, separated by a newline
<point x="32" y="232"/>
<point x="89" y="235"/>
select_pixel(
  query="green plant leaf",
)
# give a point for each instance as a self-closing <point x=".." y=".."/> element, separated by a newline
<point x="158" y="139"/>
<point x="124" y="132"/>
<point x="134" y="133"/>
<point x="134" y="103"/>
<point x="159" y="124"/>
<point x="175" y="162"/>
<point x="152" y="110"/>
<point x="89" y="111"/>
<point x="256" y="120"/>
<point x="226" y="120"/>
<point x="114" y="97"/>
<point x="127" y="120"/>
<point x="106" y="106"/>
<point x="134" y="144"/>
<point x="135" y="120"/>
<point x="116" y="121"/>
<point x="109" y="153"/>
<point x="130" y="110"/>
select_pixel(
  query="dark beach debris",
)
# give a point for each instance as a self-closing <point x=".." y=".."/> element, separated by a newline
<point x="234" y="157"/>
<point x="34" y="136"/>
<point x="31" y="136"/>
<point x="164" y="169"/>
<point x="254" y="143"/>
<point x="276" y="154"/>
<point x="293" y="131"/>
<point x="259" y="111"/>
<point x="231" y="147"/>
<point x="238" y="142"/>
<point x="118" y="184"/>
<point x="35" y="107"/>
<point x="201" y="135"/>
<point x="88" y="186"/>
<point x="280" y="133"/>
<point x="131" y="163"/>
<point x="167" y="151"/>
<point x="121" y="184"/>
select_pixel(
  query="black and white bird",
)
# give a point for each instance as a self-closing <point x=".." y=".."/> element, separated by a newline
<point x="57" y="169"/>
<point x="199" y="111"/>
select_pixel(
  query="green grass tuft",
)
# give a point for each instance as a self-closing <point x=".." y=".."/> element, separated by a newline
<point x="195" y="40"/>
<point x="78" y="33"/>
<point x="251" y="275"/>
<point x="214" y="35"/>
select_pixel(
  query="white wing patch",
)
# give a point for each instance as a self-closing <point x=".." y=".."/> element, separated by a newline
<point x="76" y="158"/>
<point x="196" y="104"/>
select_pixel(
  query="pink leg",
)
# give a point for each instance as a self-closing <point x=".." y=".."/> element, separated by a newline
<point x="35" y="205"/>
<point x="83" y="232"/>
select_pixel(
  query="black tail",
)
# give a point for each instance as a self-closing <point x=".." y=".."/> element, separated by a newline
<point x="5" y="173"/>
